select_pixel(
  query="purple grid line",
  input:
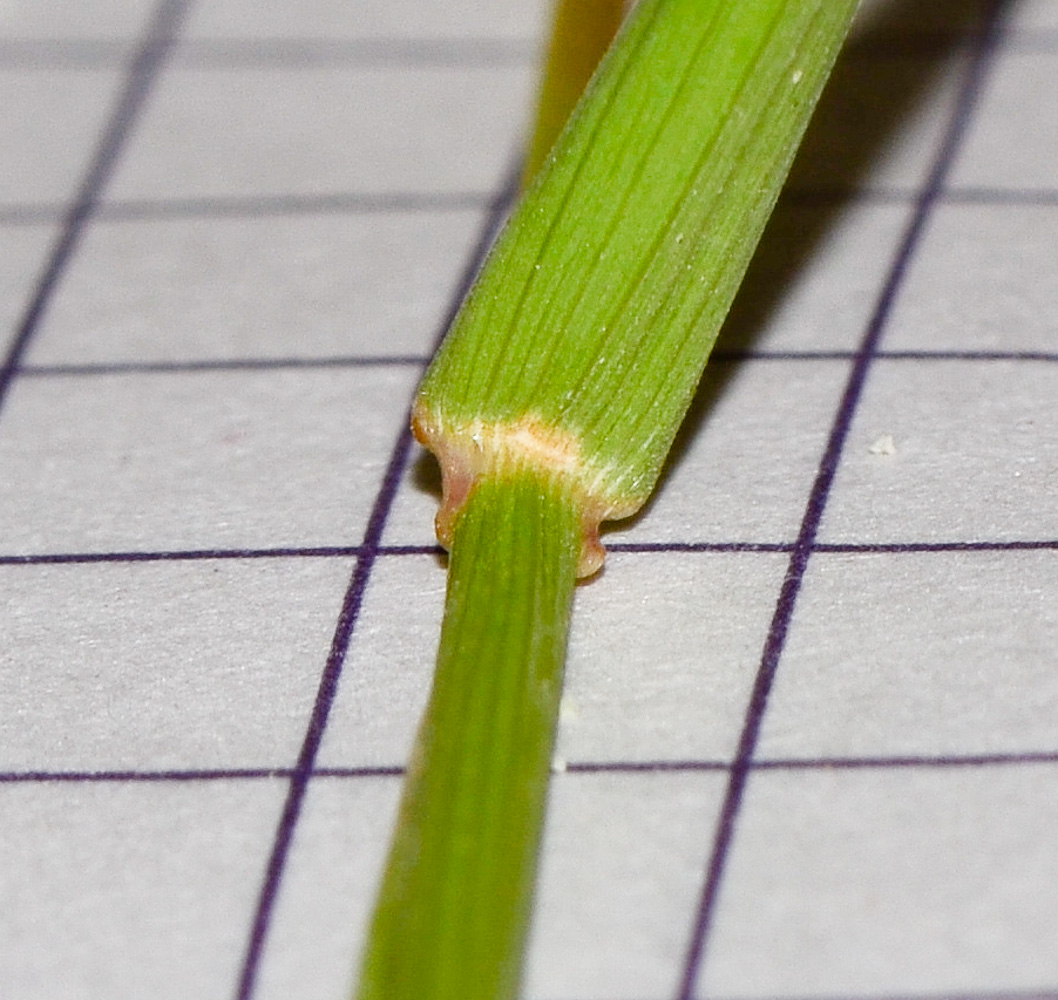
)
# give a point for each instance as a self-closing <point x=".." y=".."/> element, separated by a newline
<point x="983" y="52"/>
<point x="328" y="687"/>
<point x="863" y="548"/>
<point x="1046" y="356"/>
<point x="719" y="357"/>
<point x="156" y="46"/>
<point x="962" y="995"/>
<point x="645" y="547"/>
<point x="588" y="767"/>
<point x="908" y="761"/>
<point x="409" y="201"/>
<point x="141" y="777"/>
<point x="896" y="548"/>
<point x="290" y="53"/>
<point x="256" y="206"/>
<point x="187" y="555"/>
<point x="990" y="995"/>
<point x="240" y="365"/>
<point x="59" y="53"/>
<point x="346" y="551"/>
<point x="826" y="196"/>
<point x="1020" y="758"/>
<point x="738" y="356"/>
<point x="259" y="206"/>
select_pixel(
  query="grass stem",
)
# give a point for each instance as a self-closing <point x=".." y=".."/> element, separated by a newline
<point x="456" y="896"/>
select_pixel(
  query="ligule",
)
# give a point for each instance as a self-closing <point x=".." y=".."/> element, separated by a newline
<point x="469" y="453"/>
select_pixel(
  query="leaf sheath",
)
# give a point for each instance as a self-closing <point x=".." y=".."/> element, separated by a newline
<point x="596" y="313"/>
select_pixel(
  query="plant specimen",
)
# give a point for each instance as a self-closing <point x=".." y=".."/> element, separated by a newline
<point x="551" y="407"/>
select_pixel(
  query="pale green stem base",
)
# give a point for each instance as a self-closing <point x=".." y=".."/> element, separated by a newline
<point x="454" y="906"/>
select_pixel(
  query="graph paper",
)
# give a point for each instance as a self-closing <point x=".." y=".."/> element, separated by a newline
<point x="809" y="743"/>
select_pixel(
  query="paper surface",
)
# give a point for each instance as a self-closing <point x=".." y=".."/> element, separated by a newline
<point x="230" y="233"/>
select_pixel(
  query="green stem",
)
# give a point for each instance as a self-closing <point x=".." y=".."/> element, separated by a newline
<point x="455" y="900"/>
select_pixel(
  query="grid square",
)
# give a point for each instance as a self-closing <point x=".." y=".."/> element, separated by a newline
<point x="1010" y="141"/>
<point x="907" y="882"/>
<point x="389" y="666"/>
<point x="130" y="890"/>
<point x="165" y="665"/>
<point x="50" y="19"/>
<point x="624" y="859"/>
<point x="307" y="286"/>
<point x="742" y="470"/>
<point x="367" y="18"/>
<point x="1037" y="15"/>
<point x="973" y="455"/>
<point x="23" y="251"/>
<point x="246" y="132"/>
<point x="879" y="121"/>
<point x="982" y="280"/>
<point x="44" y="153"/>
<point x="663" y="651"/>
<point x="328" y="892"/>
<point x="928" y="653"/>
<point x="203" y="460"/>
<point x="814" y="279"/>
